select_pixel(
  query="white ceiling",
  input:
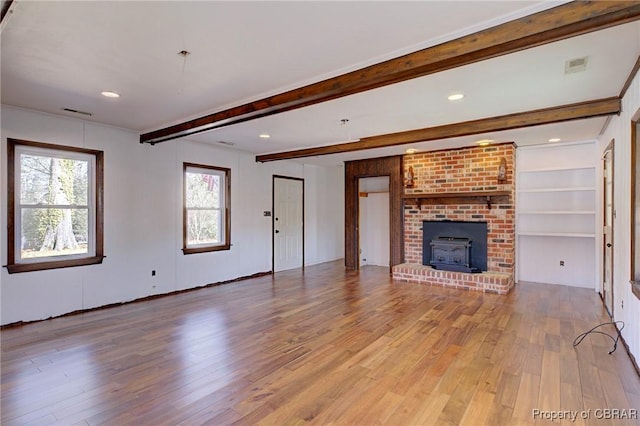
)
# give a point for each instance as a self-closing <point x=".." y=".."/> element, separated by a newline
<point x="63" y="54"/>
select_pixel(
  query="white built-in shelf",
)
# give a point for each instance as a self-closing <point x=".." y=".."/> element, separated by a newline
<point x="556" y="234"/>
<point x="560" y="189"/>
<point x="558" y="212"/>
<point x="556" y="169"/>
<point x="556" y="202"/>
<point x="557" y="205"/>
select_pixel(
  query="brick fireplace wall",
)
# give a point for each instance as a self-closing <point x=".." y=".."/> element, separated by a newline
<point x="473" y="169"/>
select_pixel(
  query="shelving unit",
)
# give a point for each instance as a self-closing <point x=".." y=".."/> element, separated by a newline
<point x="556" y="234"/>
<point x="567" y="189"/>
<point x="556" y="211"/>
<point x="559" y="212"/>
<point x="556" y="202"/>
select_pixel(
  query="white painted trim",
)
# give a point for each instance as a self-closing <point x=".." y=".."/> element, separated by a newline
<point x="556" y="145"/>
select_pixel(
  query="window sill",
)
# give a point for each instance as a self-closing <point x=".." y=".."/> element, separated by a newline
<point x="57" y="264"/>
<point x="206" y="249"/>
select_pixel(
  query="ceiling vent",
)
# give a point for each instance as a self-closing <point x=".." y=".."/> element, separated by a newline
<point x="226" y="143"/>
<point x="75" y="111"/>
<point x="576" y="65"/>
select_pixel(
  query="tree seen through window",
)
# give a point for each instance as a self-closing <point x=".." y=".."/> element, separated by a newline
<point x="206" y="208"/>
<point x="56" y="214"/>
<point x="54" y="206"/>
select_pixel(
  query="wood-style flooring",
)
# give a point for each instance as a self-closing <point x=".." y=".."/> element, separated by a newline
<point x="323" y="346"/>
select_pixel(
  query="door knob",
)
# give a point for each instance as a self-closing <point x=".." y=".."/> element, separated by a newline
<point x="609" y="245"/>
<point x="277" y="232"/>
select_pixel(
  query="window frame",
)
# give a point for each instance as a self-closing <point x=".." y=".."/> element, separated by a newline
<point x="225" y="209"/>
<point x="95" y="253"/>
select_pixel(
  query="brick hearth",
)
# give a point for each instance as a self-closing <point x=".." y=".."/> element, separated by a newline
<point x="463" y="170"/>
<point x="490" y="282"/>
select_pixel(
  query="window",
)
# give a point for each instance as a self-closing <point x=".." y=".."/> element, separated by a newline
<point x="206" y="212"/>
<point x="55" y="206"/>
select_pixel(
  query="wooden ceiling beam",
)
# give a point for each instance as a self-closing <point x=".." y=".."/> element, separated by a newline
<point x="558" y="23"/>
<point x="577" y="111"/>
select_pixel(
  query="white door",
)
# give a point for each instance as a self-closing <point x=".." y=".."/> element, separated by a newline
<point x="609" y="213"/>
<point x="288" y="241"/>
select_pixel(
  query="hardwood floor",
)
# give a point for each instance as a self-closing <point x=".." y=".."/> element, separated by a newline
<point x="326" y="346"/>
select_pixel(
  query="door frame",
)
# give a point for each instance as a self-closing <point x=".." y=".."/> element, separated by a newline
<point x="273" y="218"/>
<point x="635" y="196"/>
<point x="374" y="167"/>
<point x="611" y="150"/>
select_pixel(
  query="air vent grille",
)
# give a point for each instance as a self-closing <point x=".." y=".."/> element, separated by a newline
<point x="75" y="111"/>
<point x="576" y="65"/>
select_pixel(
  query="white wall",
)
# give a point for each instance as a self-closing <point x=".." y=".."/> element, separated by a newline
<point x="620" y="129"/>
<point x="143" y="219"/>
<point x="324" y="214"/>
<point x="539" y="261"/>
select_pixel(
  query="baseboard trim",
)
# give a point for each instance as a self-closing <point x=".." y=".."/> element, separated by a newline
<point x="626" y="347"/>
<point x="142" y="299"/>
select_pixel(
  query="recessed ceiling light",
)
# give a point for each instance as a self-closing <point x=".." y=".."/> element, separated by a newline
<point x="484" y="142"/>
<point x="109" y="94"/>
<point x="411" y="151"/>
<point x="554" y="140"/>
<point x="455" y="97"/>
<point x="265" y="135"/>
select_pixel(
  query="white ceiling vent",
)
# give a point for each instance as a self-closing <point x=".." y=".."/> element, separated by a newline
<point x="576" y="65"/>
<point x="75" y="111"/>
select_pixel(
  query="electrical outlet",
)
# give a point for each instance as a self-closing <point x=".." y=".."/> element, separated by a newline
<point x="622" y="304"/>
<point x="562" y="263"/>
<point x="153" y="272"/>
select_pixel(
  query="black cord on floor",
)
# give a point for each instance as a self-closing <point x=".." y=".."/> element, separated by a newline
<point x="581" y="337"/>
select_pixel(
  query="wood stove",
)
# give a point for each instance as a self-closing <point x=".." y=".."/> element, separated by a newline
<point x="458" y="246"/>
<point x="452" y="254"/>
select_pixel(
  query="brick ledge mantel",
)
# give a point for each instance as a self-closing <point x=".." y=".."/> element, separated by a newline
<point x="458" y="197"/>
<point x="488" y="282"/>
